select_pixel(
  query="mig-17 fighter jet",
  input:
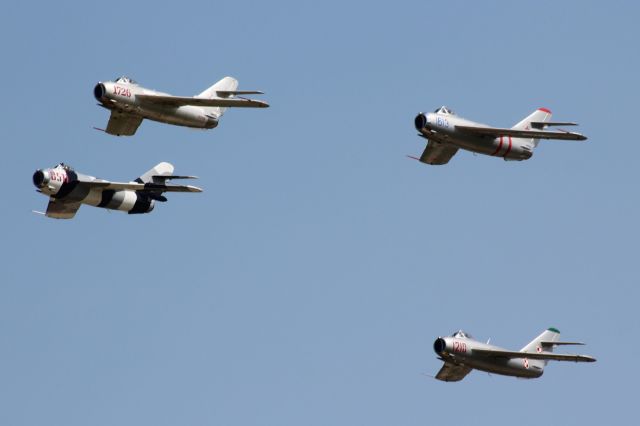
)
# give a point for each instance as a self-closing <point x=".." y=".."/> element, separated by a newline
<point x="446" y="133"/>
<point x="461" y="354"/>
<point x="130" y="104"/>
<point x="67" y="190"/>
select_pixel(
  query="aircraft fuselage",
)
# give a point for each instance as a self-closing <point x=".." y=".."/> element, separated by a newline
<point x="460" y="351"/>
<point x="122" y="97"/>
<point x="67" y="185"/>
<point x="442" y="128"/>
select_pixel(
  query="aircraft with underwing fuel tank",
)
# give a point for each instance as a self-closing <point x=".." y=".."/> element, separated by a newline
<point x="131" y="103"/>
<point x="461" y="353"/>
<point x="68" y="190"/>
<point x="446" y="133"/>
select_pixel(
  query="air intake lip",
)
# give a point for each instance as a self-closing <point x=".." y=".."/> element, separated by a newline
<point x="39" y="179"/>
<point x="420" y="121"/>
<point x="99" y="91"/>
<point x="439" y="345"/>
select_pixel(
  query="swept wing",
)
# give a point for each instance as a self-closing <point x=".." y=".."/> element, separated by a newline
<point x="533" y="355"/>
<point x="133" y="186"/>
<point x="452" y="372"/>
<point x="536" y="134"/>
<point x="122" y="123"/>
<point x="62" y="210"/>
<point x="178" y="101"/>
<point x="438" y="153"/>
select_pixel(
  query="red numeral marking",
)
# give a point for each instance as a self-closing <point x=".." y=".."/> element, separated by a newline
<point x="460" y="347"/>
<point x="122" y="91"/>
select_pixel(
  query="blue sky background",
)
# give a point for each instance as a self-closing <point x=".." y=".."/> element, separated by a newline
<point x="306" y="285"/>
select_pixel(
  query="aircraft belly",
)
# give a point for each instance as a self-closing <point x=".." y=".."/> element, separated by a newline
<point x="73" y="192"/>
<point x="505" y="146"/>
<point x="479" y="145"/>
<point x="513" y="367"/>
<point x="93" y="197"/>
<point x="187" y="116"/>
<point x="117" y="200"/>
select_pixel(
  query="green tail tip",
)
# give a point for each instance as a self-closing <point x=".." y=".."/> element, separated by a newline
<point x="555" y="330"/>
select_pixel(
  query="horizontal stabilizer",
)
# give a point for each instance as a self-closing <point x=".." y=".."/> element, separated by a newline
<point x="543" y="124"/>
<point x="561" y="343"/>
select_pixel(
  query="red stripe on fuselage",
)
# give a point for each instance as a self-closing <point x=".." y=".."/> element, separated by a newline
<point x="508" y="149"/>
<point x="499" y="147"/>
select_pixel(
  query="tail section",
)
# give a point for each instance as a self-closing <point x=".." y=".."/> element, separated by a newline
<point x="540" y="115"/>
<point x="227" y="84"/>
<point x="543" y="343"/>
<point x="161" y="169"/>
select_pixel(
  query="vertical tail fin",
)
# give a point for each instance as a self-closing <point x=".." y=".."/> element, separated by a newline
<point x="227" y="83"/>
<point x="539" y="115"/>
<point x="549" y="335"/>
<point x="161" y="169"/>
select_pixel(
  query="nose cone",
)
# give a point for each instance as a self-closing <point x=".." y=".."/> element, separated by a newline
<point x="439" y="345"/>
<point x="420" y="121"/>
<point x="99" y="91"/>
<point x="40" y="179"/>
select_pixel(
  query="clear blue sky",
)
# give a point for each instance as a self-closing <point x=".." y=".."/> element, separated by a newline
<point x="306" y="285"/>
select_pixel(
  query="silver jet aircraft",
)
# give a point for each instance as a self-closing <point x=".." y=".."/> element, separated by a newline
<point x="446" y="133"/>
<point x="130" y="104"/>
<point x="67" y="190"/>
<point x="461" y="354"/>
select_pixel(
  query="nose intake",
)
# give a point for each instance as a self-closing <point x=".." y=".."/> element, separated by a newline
<point x="39" y="179"/>
<point x="420" y="122"/>
<point x="99" y="91"/>
<point x="439" y="345"/>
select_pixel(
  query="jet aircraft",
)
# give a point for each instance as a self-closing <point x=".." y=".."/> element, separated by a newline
<point x="461" y="354"/>
<point x="446" y="133"/>
<point x="68" y="190"/>
<point x="130" y="104"/>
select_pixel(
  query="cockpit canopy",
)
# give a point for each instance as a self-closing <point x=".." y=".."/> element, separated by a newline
<point x="125" y="79"/>
<point x="462" y="335"/>
<point x="444" y="110"/>
<point x="64" y="166"/>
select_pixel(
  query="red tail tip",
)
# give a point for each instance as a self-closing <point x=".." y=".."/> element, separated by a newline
<point x="544" y="110"/>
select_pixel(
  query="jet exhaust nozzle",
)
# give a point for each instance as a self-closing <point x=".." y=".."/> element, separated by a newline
<point x="99" y="91"/>
<point x="40" y="179"/>
<point x="420" y="121"/>
<point x="439" y="345"/>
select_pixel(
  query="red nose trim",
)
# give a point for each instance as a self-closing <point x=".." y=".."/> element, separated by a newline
<point x="544" y="110"/>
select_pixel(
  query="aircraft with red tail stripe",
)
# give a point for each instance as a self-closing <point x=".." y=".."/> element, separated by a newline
<point x="447" y="133"/>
